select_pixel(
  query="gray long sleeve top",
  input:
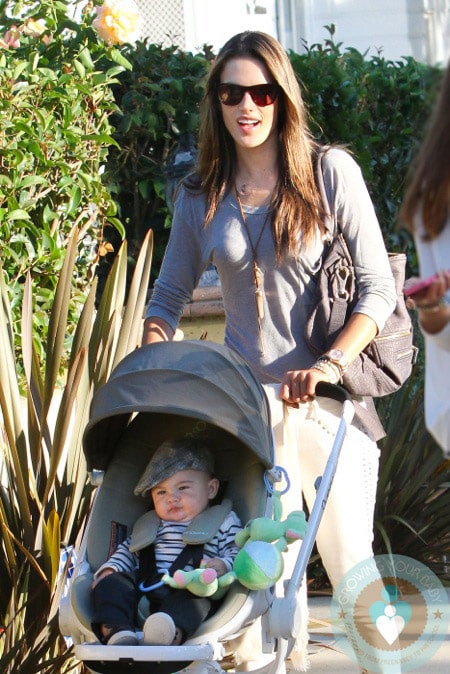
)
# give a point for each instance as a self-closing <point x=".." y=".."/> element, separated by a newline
<point x="288" y="286"/>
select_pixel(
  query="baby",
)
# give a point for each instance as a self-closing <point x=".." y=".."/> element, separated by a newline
<point x="180" y="480"/>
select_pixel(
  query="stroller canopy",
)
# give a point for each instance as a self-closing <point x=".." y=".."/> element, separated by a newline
<point x="199" y="380"/>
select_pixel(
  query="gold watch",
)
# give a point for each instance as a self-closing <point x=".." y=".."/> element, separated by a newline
<point x="337" y="357"/>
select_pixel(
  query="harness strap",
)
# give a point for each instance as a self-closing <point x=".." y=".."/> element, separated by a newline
<point x="148" y="575"/>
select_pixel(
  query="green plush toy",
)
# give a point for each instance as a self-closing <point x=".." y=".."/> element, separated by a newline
<point x="201" y="582"/>
<point x="259" y="563"/>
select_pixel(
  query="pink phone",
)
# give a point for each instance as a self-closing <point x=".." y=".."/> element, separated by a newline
<point x="419" y="285"/>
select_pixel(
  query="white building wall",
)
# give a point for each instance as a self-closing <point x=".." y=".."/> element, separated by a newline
<point x="213" y="22"/>
<point x="190" y="24"/>
<point x="392" y="28"/>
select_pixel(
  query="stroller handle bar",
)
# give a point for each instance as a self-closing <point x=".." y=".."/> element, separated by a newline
<point x="324" y="482"/>
<point x="333" y="391"/>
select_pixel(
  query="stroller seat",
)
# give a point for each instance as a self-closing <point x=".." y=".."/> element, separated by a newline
<point x="168" y="390"/>
<point x="116" y="509"/>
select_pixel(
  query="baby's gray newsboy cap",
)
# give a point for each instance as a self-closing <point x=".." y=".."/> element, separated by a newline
<point x="172" y="456"/>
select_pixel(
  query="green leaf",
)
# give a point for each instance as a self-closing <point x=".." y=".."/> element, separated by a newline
<point x="131" y="328"/>
<point x="120" y="59"/>
<point x="58" y="319"/>
<point x="52" y="545"/>
<point x="101" y="139"/>
<point x="32" y="180"/>
<point x="18" y="70"/>
<point x="79" y="67"/>
<point x="18" y="214"/>
<point x="64" y="420"/>
<point x="118" y="225"/>
<point x="86" y="59"/>
<point x="75" y="199"/>
<point x="48" y="214"/>
<point x="111" y="305"/>
<point x="10" y="405"/>
<point x="145" y="188"/>
<point x="112" y="72"/>
<point x="34" y="61"/>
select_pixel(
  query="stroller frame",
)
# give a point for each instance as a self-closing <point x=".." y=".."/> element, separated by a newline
<point x="244" y="417"/>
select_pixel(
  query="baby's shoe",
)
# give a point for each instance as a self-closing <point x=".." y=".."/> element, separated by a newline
<point x="122" y="636"/>
<point x="159" y="630"/>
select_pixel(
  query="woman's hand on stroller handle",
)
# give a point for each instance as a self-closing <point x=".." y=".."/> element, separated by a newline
<point x="303" y="385"/>
<point x="335" y="391"/>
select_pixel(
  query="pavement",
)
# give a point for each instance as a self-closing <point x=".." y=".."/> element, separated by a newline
<point x="325" y="656"/>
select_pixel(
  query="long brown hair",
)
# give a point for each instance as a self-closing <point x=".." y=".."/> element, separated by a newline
<point x="296" y="205"/>
<point x="429" y="186"/>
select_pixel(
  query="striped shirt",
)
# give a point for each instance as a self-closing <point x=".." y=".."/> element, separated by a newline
<point x="169" y="543"/>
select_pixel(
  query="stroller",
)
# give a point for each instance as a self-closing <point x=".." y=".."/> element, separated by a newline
<point x="172" y="389"/>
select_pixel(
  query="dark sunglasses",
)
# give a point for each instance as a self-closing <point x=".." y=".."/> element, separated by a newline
<point x="262" y="94"/>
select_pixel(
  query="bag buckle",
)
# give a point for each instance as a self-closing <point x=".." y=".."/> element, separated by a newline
<point x="342" y="276"/>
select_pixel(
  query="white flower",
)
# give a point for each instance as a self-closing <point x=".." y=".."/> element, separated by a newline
<point x="35" y="27"/>
<point x="117" y="21"/>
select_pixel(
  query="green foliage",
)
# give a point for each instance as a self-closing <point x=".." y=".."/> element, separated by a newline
<point x="55" y="104"/>
<point x="44" y="492"/>
<point x="158" y="103"/>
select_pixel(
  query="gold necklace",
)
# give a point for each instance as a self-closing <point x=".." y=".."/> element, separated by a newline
<point x="257" y="273"/>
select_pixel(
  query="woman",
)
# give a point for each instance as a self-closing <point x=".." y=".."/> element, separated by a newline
<point x="253" y="210"/>
<point x="426" y="211"/>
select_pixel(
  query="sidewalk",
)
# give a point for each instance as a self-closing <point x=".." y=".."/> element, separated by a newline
<point x="324" y="656"/>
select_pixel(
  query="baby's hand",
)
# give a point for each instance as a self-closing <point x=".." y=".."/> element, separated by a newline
<point x="103" y="574"/>
<point x="217" y="564"/>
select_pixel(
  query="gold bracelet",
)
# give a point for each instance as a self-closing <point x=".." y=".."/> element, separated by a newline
<point x="432" y="308"/>
<point x="330" y="369"/>
<point x="332" y="363"/>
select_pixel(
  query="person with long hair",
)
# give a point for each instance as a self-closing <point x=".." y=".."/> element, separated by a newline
<point x="426" y="212"/>
<point x="252" y="207"/>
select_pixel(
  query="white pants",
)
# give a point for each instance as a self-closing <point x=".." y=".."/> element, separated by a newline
<point x="303" y="438"/>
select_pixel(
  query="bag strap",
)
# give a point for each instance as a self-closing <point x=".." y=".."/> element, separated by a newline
<point x="343" y="273"/>
<point x="330" y="222"/>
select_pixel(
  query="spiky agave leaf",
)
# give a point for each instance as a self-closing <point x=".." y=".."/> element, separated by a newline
<point x="44" y="492"/>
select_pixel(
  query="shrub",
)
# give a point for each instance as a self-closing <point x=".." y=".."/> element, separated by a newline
<point x="55" y="104"/>
<point x="157" y="101"/>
